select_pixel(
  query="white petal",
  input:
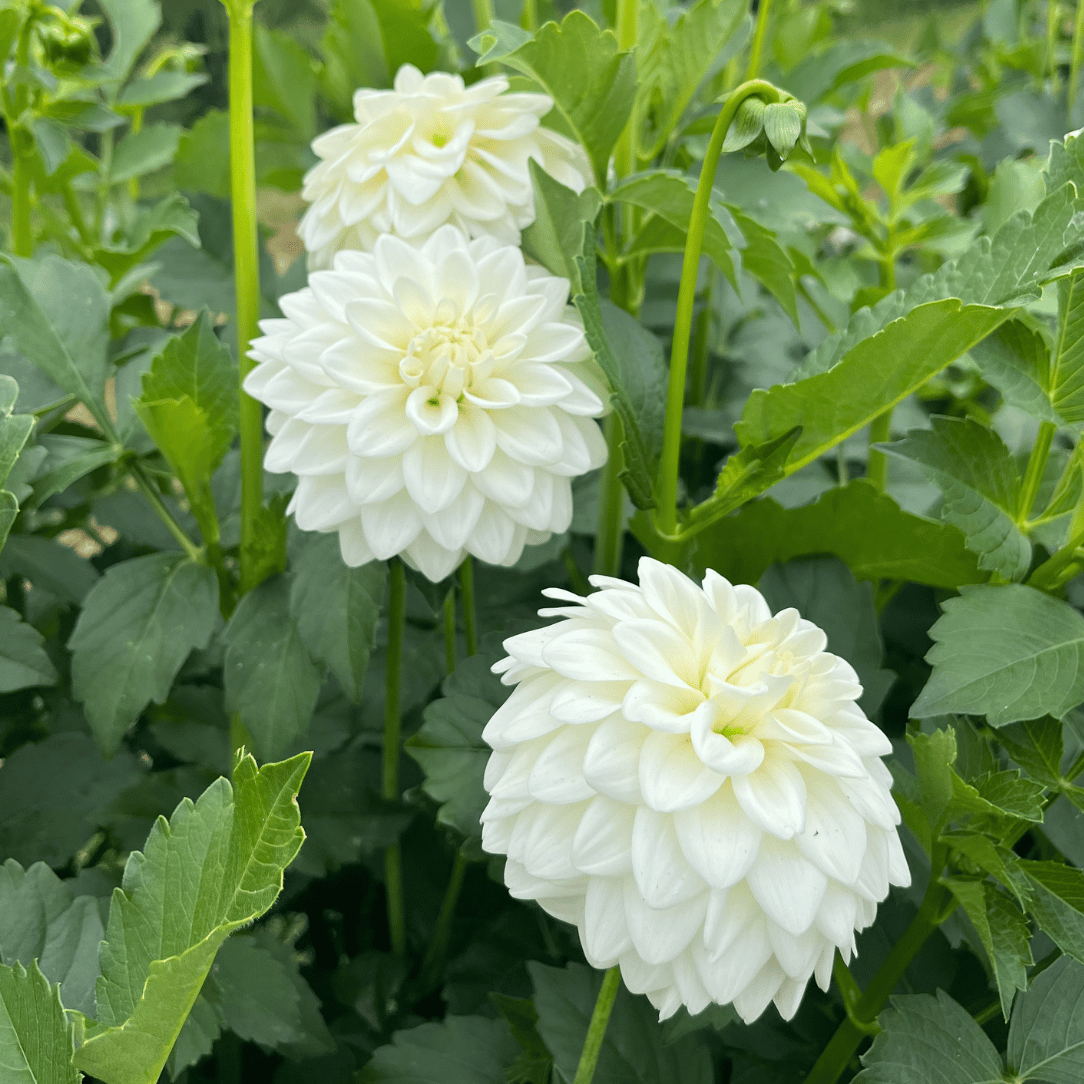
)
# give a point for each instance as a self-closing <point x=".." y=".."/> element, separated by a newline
<point x="672" y="776"/>
<point x="603" y="842"/>
<point x="786" y="886"/>
<point x="718" y="840"/>
<point x="662" y="875"/>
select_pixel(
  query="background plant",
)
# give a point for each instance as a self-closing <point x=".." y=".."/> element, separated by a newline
<point x="914" y="487"/>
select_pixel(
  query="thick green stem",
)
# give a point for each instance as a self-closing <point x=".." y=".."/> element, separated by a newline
<point x="246" y="265"/>
<point x="449" y="630"/>
<point x="1077" y="54"/>
<point x="1033" y="476"/>
<point x="22" y="239"/>
<point x="880" y="429"/>
<point x="610" y="536"/>
<point x="470" y="607"/>
<point x="757" y="50"/>
<point x="393" y="866"/>
<point x="596" y="1029"/>
<point x="442" y="932"/>
<point x="529" y="18"/>
<point x="666" y="513"/>
<point x="865" y="1009"/>
<point x="483" y="14"/>
<point x="1050" y="66"/>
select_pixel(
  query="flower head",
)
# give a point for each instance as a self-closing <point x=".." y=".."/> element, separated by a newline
<point x="428" y="152"/>
<point x="434" y="401"/>
<point x="689" y="780"/>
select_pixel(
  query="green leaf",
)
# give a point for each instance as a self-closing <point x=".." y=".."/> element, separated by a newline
<point x="50" y="565"/>
<point x="353" y="53"/>
<point x="215" y="866"/>
<point x="149" y="228"/>
<point x="1046" y="1036"/>
<point x="991" y="858"/>
<point x="1037" y="746"/>
<point x="934" y="756"/>
<point x="591" y="82"/>
<point x="823" y="590"/>
<point x="146" y="150"/>
<point x="14" y="428"/>
<point x="873" y="376"/>
<point x="1004" y="932"/>
<point x="933" y="1040"/>
<point x="862" y="527"/>
<point x="163" y="86"/>
<point x="56" y="314"/>
<point x="50" y="823"/>
<point x="271" y="679"/>
<point x="284" y="79"/>
<point x="670" y="194"/>
<point x="1057" y="903"/>
<point x="23" y="662"/>
<point x="673" y="59"/>
<point x="449" y="745"/>
<point x="766" y="260"/>
<point x="336" y="609"/>
<point x="1016" y="360"/>
<point x="1066" y="379"/>
<point x="41" y="919"/>
<point x="1008" y="653"/>
<point x="459" y="1050"/>
<point x="139" y="623"/>
<point x="404" y="28"/>
<point x="133" y="23"/>
<point x="202" y="163"/>
<point x="69" y="458"/>
<point x="981" y="485"/>
<point x="632" y="1050"/>
<point x="1000" y="794"/>
<point x="35" y="1036"/>
<point x="556" y="234"/>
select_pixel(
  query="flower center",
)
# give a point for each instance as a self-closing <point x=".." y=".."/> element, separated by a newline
<point x="448" y="356"/>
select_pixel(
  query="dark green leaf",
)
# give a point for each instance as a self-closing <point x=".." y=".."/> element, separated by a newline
<point x="271" y="679"/>
<point x="981" y="485"/>
<point x="934" y="756"/>
<point x="1016" y="360"/>
<point x="145" y="151"/>
<point x="1046" y="1037"/>
<point x="1000" y="794"/>
<point x="1036" y="745"/>
<point x="591" y="82"/>
<point x="138" y="625"/>
<point x="284" y="80"/>
<point x="765" y="259"/>
<point x="68" y="459"/>
<point x="1008" y="653"/>
<point x="555" y="236"/>
<point x="163" y="86"/>
<point x="1057" y="904"/>
<point x="35" y="1036"/>
<point x="1066" y="374"/>
<point x="23" y="662"/>
<point x="48" y="564"/>
<point x="864" y="528"/>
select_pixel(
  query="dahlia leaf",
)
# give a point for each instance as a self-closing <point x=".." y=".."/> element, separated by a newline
<point x="133" y="23"/>
<point x="674" y="58"/>
<point x="1067" y="360"/>
<point x="1057" y="903"/>
<point x="459" y="1050"/>
<point x="35" y="1036"/>
<point x="138" y="624"/>
<point x="215" y="866"/>
<point x="1046" y="1035"/>
<point x="336" y="608"/>
<point x="1000" y="794"/>
<point x="592" y="83"/>
<point x="535" y="1063"/>
<point x="864" y="528"/>
<point x="980" y="481"/>
<point x="14" y="428"/>
<point x="271" y="679"/>
<point x="1004" y="932"/>
<point x="41" y="919"/>
<point x="871" y="377"/>
<point x="992" y="858"/>
<point x="556" y="234"/>
<point x="50" y="565"/>
<point x="767" y="261"/>
<point x="68" y="459"/>
<point x="1016" y="360"/>
<point x="1037" y="745"/>
<point x="934" y="756"/>
<point x="284" y="80"/>
<point x="56" y="314"/>
<point x="449" y="745"/>
<point x="23" y="661"/>
<point x="632" y="1050"/>
<point x="1008" y="652"/>
<point x="146" y="150"/>
<point x="930" y="1039"/>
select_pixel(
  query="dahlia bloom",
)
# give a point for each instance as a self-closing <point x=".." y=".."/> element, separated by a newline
<point x="689" y="781"/>
<point x="434" y="401"/>
<point x="428" y="152"/>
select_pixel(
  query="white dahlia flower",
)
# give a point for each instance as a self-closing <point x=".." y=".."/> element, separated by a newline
<point x="689" y="781"/>
<point x="434" y="401"/>
<point x="428" y="152"/>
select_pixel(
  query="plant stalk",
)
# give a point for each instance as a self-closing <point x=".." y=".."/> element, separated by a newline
<point x="666" y="513"/>
<point x="1075" y="58"/>
<point x="393" y="863"/>
<point x="470" y="607"/>
<point x="22" y="238"/>
<point x="596" y="1029"/>
<point x="154" y="499"/>
<point x="449" y="630"/>
<point x="442" y="932"/>
<point x="1033" y="476"/>
<point x="246" y="275"/>
<point x="757" y="49"/>
<point x="610" y="536"/>
<point x="880" y="430"/>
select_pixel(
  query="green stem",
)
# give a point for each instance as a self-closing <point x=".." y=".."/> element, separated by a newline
<point x="483" y="14"/>
<point x="880" y="430"/>
<point x="442" y="932"/>
<point x="449" y="630"/>
<point x="666" y="513"/>
<point x="610" y="537"/>
<point x="576" y="578"/>
<point x="75" y="213"/>
<point x="240" y="740"/>
<point x="1077" y="54"/>
<point x="596" y="1029"/>
<point x="1052" y="574"/>
<point x="470" y="607"/>
<point x="763" y="14"/>
<point x="1050" y="66"/>
<point x="529" y="19"/>
<point x="698" y="370"/>
<point x="1033" y="476"/>
<point x="393" y="866"/>
<point x="154" y="499"/>
<point x="246" y="265"/>
<point x="864" y="1011"/>
<point x="22" y="238"/>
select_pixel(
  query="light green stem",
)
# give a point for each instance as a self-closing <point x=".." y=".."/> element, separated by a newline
<point x="442" y="932"/>
<point x="393" y="863"/>
<point x="666" y="513"/>
<point x="449" y="630"/>
<point x="529" y="18"/>
<point x="1033" y="476"/>
<point x="483" y="14"/>
<point x="22" y="239"/>
<point x="154" y="499"/>
<point x="1051" y="67"/>
<point x="880" y="430"/>
<point x="596" y="1029"/>
<point x="246" y="268"/>
<point x="1077" y="54"/>
<point x="470" y="607"/>
<point x="610" y="536"/>
<point x="757" y="49"/>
